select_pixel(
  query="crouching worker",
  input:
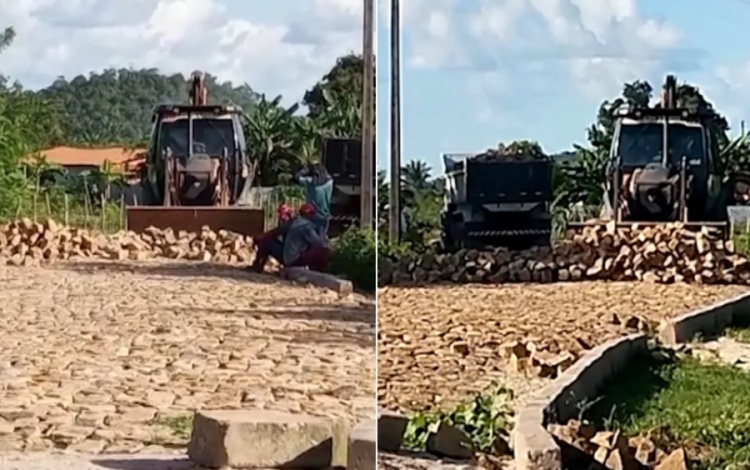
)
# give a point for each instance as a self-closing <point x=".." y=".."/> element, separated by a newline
<point x="302" y="245"/>
<point x="271" y="243"/>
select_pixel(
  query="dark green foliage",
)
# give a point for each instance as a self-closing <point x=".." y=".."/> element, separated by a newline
<point x="335" y="102"/>
<point x="354" y="258"/>
<point x="114" y="106"/>
<point x="485" y="420"/>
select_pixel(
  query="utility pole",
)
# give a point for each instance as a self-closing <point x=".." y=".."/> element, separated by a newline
<point x="367" y="215"/>
<point x="395" y="209"/>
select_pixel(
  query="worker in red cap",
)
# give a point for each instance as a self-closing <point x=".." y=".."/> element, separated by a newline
<point x="271" y="243"/>
<point x="285" y="212"/>
<point x="303" y="245"/>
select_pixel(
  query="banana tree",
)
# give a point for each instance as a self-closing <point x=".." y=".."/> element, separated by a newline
<point x="734" y="156"/>
<point x="307" y="134"/>
<point x="343" y="116"/>
<point x="581" y="180"/>
<point x="270" y="131"/>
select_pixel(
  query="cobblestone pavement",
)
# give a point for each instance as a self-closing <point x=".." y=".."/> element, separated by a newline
<point x="114" y="358"/>
<point x="441" y="345"/>
<point x="421" y="368"/>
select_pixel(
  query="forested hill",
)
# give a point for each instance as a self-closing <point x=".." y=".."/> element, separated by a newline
<point x="114" y="106"/>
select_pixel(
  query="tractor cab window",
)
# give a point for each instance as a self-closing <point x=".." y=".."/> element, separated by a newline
<point x="210" y="136"/>
<point x="686" y="141"/>
<point x="640" y="144"/>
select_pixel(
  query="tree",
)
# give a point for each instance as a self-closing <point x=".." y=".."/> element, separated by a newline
<point x="6" y="37"/>
<point x="416" y="175"/>
<point x="114" y="107"/>
<point x="269" y="132"/>
<point x="637" y="93"/>
<point x="336" y="100"/>
<point x="383" y="193"/>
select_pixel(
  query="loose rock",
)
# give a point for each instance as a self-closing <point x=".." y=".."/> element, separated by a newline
<point x="660" y="254"/>
<point x="27" y="243"/>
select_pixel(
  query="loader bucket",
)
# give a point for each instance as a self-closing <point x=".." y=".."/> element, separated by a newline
<point x="240" y="220"/>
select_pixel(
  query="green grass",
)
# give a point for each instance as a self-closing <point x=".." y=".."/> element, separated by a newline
<point x="704" y="407"/>
<point x="741" y="335"/>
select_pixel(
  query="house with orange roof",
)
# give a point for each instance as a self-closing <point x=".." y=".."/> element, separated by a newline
<point x="74" y="159"/>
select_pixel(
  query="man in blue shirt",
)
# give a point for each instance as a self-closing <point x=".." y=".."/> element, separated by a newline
<point x="318" y="185"/>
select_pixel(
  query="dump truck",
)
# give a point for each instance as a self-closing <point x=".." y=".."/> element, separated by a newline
<point x="343" y="160"/>
<point x="663" y="168"/>
<point x="197" y="170"/>
<point x="496" y="202"/>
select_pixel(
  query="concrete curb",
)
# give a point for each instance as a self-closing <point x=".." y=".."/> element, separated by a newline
<point x="246" y="439"/>
<point x="318" y="279"/>
<point x="706" y="321"/>
<point x="362" y="451"/>
<point x="391" y="428"/>
<point x="533" y="446"/>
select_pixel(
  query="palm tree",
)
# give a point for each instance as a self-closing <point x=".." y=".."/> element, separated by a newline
<point x="416" y="175"/>
<point x="383" y="194"/>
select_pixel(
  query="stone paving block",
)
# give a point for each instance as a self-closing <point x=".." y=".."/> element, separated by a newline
<point x="362" y="454"/>
<point x="318" y="279"/>
<point x="391" y="428"/>
<point x="245" y="439"/>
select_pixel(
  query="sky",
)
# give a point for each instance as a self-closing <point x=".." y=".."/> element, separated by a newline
<point x="479" y="72"/>
<point x="475" y="72"/>
<point x="281" y="47"/>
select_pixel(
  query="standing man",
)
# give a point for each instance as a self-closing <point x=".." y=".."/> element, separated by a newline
<point x="318" y="185"/>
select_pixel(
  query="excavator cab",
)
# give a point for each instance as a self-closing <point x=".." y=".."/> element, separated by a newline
<point x="197" y="171"/>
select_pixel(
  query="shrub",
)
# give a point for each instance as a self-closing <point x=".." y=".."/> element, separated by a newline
<point x="354" y="258"/>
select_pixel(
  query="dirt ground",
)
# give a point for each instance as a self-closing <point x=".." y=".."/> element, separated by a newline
<point x="421" y="367"/>
<point x="111" y="358"/>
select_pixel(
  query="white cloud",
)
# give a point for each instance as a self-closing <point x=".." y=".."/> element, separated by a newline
<point x="597" y="44"/>
<point x="71" y="37"/>
<point x="728" y="88"/>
